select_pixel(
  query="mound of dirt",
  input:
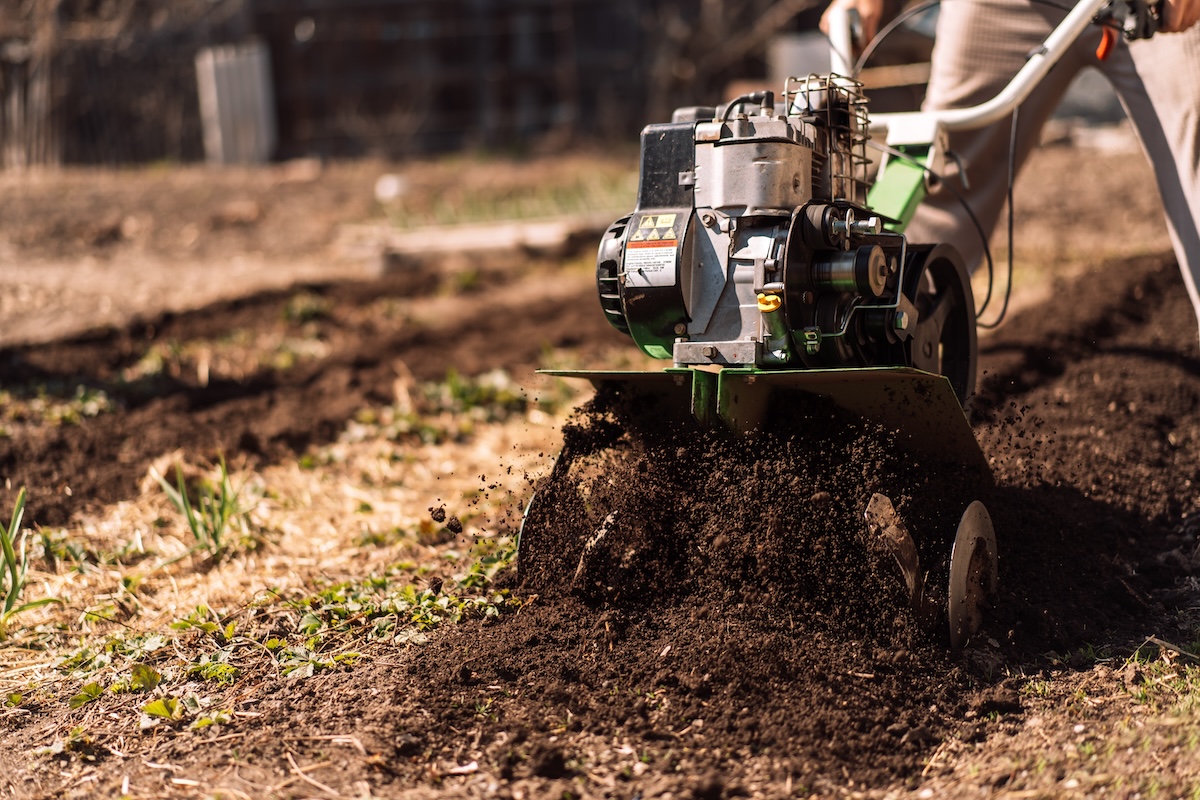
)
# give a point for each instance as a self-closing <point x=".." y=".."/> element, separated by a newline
<point x="643" y="508"/>
<point x="694" y="587"/>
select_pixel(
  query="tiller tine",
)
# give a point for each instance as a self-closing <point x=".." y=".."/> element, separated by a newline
<point x="919" y="406"/>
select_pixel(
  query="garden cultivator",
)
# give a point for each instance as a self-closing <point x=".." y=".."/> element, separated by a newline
<point x="763" y="261"/>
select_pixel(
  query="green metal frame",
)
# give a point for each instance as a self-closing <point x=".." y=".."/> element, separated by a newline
<point x="919" y="406"/>
<point x="901" y="186"/>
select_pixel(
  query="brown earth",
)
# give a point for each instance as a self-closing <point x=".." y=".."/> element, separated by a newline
<point x="750" y="649"/>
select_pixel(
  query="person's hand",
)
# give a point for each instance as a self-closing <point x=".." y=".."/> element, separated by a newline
<point x="1177" y="15"/>
<point x="871" y="13"/>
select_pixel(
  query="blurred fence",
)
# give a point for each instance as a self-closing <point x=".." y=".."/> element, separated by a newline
<point x="432" y="75"/>
<point x="237" y="105"/>
<point x="116" y="82"/>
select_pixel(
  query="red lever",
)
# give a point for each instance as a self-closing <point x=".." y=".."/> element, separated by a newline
<point x="1108" y="40"/>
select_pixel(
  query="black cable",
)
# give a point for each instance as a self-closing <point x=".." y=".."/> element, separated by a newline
<point x="868" y="51"/>
<point x="887" y="30"/>
<point x="913" y="11"/>
<point x="1012" y="178"/>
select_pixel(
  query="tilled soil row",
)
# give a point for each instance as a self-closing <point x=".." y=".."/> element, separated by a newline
<point x="270" y="414"/>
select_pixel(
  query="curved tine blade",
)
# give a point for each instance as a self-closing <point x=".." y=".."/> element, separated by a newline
<point x="884" y="522"/>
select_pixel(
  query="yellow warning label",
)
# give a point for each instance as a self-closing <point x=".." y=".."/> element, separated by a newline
<point x="655" y="228"/>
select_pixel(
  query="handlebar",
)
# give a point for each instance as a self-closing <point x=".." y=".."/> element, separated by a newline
<point x="1137" y="19"/>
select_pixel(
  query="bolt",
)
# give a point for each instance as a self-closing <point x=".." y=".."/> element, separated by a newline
<point x="869" y="226"/>
<point x="901" y="320"/>
<point x="680" y="329"/>
<point x="708" y="351"/>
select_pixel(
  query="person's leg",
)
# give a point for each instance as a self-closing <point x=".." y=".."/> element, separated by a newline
<point x="979" y="46"/>
<point x="1158" y="81"/>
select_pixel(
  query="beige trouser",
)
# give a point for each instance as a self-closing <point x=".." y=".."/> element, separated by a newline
<point x="980" y="45"/>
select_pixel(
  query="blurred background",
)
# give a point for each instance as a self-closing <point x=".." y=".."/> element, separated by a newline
<point x="136" y="81"/>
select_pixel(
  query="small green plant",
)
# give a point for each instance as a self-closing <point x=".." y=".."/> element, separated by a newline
<point x="214" y="667"/>
<point x="164" y="708"/>
<point x="301" y="662"/>
<point x="217" y="511"/>
<point x="87" y="693"/>
<point x="76" y="742"/>
<point x="16" y="564"/>
<point x="53" y="405"/>
<point x="142" y="678"/>
<point x="218" y="717"/>
<point x="305" y="307"/>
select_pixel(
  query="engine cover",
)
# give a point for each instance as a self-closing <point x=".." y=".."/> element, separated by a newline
<point x="750" y="244"/>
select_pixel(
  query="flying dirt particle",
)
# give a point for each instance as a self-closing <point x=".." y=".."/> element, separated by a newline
<point x="707" y="787"/>
<point x="435" y="585"/>
<point x="408" y="745"/>
<point x="438" y="514"/>
<point x="995" y="699"/>
<point x="550" y="763"/>
<point x="454" y="525"/>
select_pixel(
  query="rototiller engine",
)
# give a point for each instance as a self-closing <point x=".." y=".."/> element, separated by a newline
<point x="754" y="264"/>
<point x="751" y="246"/>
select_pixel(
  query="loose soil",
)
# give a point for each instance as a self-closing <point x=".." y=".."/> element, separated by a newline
<point x="733" y="631"/>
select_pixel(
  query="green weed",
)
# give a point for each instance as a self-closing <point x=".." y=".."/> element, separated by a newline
<point x="15" y="567"/>
<point x="604" y="186"/>
<point x="217" y="514"/>
<point x="305" y="307"/>
<point x="392" y="607"/>
<point x="87" y="693"/>
<point x="203" y="619"/>
<point x="452" y="409"/>
<point x="218" y="717"/>
<point x="1161" y="674"/>
<point x="302" y="662"/>
<point x="124" y="646"/>
<point x="164" y="708"/>
<point x="215" y="667"/>
<point x="169" y="709"/>
<point x="77" y="741"/>
<point x="53" y="405"/>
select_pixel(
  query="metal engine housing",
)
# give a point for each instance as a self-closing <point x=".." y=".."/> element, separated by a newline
<point x="750" y="244"/>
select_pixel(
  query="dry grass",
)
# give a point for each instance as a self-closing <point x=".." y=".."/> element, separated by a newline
<point x="1127" y="727"/>
<point x="352" y="522"/>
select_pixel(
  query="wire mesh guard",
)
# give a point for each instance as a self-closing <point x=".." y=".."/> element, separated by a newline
<point x="838" y="105"/>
